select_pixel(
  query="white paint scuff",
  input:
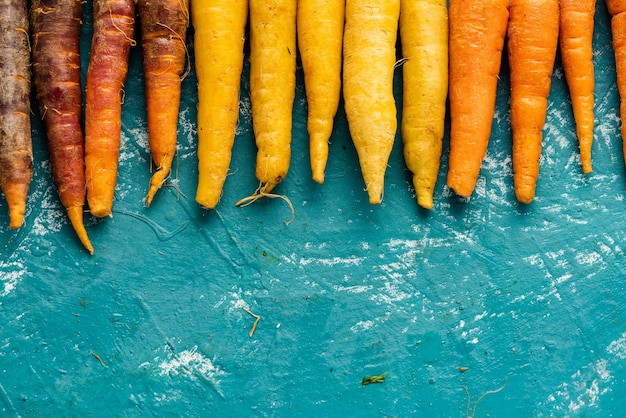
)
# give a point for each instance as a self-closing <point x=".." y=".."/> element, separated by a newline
<point x="589" y="383"/>
<point x="10" y="274"/>
<point x="189" y="364"/>
<point x="617" y="348"/>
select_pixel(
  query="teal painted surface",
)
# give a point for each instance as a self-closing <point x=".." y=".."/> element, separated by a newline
<point x="531" y="297"/>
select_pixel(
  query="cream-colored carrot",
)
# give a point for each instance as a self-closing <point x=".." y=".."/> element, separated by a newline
<point x="369" y="57"/>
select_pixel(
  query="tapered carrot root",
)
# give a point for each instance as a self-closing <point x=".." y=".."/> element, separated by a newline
<point x="219" y="33"/>
<point x="532" y="43"/>
<point x="477" y="32"/>
<point x="369" y="57"/>
<point x="163" y="28"/>
<point x="424" y="35"/>
<point x="272" y="86"/>
<point x="576" y="37"/>
<point x="16" y="155"/>
<point x="320" y="35"/>
<point x="55" y="28"/>
<point x="617" y="10"/>
<point x="113" y="33"/>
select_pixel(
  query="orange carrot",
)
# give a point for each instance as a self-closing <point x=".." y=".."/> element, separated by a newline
<point x="532" y="43"/>
<point x="617" y="10"/>
<point x="55" y="28"/>
<point x="16" y="154"/>
<point x="113" y="31"/>
<point x="477" y="31"/>
<point x="163" y="29"/>
<point x="576" y="36"/>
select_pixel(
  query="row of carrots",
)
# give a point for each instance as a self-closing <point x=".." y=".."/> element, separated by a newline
<point x="346" y="47"/>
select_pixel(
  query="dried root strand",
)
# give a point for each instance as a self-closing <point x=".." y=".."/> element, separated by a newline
<point x="260" y="192"/>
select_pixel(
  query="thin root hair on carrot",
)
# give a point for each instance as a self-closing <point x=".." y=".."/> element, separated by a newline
<point x="400" y="62"/>
<point x="173" y="183"/>
<point x="259" y="193"/>
<point x="27" y="37"/>
<point x="114" y="23"/>
<point x="182" y="40"/>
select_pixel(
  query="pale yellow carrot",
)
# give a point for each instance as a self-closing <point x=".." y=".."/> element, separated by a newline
<point x="369" y="58"/>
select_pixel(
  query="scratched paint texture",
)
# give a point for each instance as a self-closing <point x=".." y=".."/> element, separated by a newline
<point x="529" y="297"/>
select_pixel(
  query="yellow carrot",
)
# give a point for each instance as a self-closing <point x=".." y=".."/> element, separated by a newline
<point x="320" y="36"/>
<point x="369" y="57"/>
<point x="272" y="86"/>
<point x="219" y="30"/>
<point x="424" y="36"/>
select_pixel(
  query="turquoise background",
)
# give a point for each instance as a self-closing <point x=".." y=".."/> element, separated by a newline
<point x="530" y="297"/>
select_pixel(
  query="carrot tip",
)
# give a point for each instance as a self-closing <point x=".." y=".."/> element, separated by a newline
<point x="16" y="213"/>
<point x="374" y="191"/>
<point x="375" y="200"/>
<point x="318" y="177"/>
<point x="524" y="198"/>
<point x="75" y="215"/>
<point x="101" y="212"/>
<point x="159" y="177"/>
<point x="207" y="202"/>
<point x="15" y="221"/>
<point x="461" y="187"/>
<point x="425" y="202"/>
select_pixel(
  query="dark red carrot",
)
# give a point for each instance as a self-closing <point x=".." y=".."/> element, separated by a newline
<point x="55" y="29"/>
<point x="16" y="150"/>
<point x="163" y="29"/>
<point x="113" y="31"/>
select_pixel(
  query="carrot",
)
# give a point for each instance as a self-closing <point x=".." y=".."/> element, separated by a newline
<point x="16" y="153"/>
<point x="272" y="86"/>
<point x="219" y="33"/>
<point x="320" y="36"/>
<point x="477" y="31"/>
<point x="163" y="31"/>
<point x="532" y="42"/>
<point x="369" y="58"/>
<point x="55" y="28"/>
<point x="617" y="10"/>
<point x="113" y="31"/>
<point x="576" y="37"/>
<point x="424" y="37"/>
